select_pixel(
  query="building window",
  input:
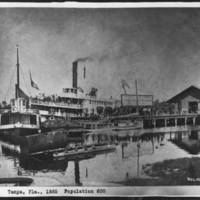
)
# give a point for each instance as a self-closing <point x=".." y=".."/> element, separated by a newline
<point x="13" y="103"/>
<point x="33" y="119"/>
<point x="4" y="119"/>
<point x="193" y="106"/>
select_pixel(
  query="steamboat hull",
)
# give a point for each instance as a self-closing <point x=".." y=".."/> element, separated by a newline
<point x="44" y="143"/>
<point x="16" y="135"/>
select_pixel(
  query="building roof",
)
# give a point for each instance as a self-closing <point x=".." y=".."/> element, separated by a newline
<point x="190" y="91"/>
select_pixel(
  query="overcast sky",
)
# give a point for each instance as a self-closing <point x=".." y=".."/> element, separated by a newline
<point x="158" y="47"/>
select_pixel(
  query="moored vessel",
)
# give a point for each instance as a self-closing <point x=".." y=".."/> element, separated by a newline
<point x="19" y="120"/>
<point x="75" y="102"/>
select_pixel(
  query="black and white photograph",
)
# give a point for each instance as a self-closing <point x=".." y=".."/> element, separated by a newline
<point x="100" y="97"/>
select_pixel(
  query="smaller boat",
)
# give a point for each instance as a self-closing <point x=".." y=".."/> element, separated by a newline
<point x="16" y="181"/>
<point x="19" y="120"/>
<point x="123" y="126"/>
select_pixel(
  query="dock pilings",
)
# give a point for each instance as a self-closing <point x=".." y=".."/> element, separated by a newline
<point x="170" y="121"/>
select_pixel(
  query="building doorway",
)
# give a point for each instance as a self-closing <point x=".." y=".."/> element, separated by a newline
<point x="193" y="107"/>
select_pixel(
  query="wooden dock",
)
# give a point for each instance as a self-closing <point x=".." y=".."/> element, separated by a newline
<point x="160" y="121"/>
<point x="170" y="121"/>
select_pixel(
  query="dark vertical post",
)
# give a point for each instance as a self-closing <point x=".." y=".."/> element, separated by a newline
<point x="77" y="172"/>
<point x="136" y="90"/>
<point x="75" y="74"/>
<point x="84" y="72"/>
<point x="122" y="145"/>
<point x="17" y="85"/>
<point x="138" y="159"/>
<point x="17" y="66"/>
<point x="86" y="172"/>
<point x="152" y="145"/>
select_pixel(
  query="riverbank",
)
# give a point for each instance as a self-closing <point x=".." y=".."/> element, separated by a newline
<point x="182" y="171"/>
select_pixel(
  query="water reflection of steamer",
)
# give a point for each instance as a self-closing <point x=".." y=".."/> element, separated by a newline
<point x="94" y="143"/>
<point x="27" y="165"/>
<point x="30" y="163"/>
<point x="34" y="163"/>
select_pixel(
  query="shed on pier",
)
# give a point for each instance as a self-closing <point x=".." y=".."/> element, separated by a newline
<point x="187" y="101"/>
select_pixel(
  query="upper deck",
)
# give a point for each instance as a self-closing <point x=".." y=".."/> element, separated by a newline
<point x="38" y="102"/>
<point x="70" y="98"/>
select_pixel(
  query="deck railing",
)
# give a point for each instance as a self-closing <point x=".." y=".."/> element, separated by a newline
<point x="56" y="104"/>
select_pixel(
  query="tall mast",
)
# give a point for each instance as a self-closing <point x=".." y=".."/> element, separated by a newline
<point x="17" y="85"/>
<point x="136" y="91"/>
<point x="17" y="66"/>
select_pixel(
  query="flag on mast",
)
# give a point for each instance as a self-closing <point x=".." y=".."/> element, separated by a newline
<point x="33" y="84"/>
<point x="124" y="85"/>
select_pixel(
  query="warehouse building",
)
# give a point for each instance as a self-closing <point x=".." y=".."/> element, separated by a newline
<point x="187" y="101"/>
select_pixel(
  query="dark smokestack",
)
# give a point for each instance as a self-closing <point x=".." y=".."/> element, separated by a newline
<point x="74" y="74"/>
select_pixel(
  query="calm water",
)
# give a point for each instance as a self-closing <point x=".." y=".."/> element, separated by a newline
<point x="105" y="169"/>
